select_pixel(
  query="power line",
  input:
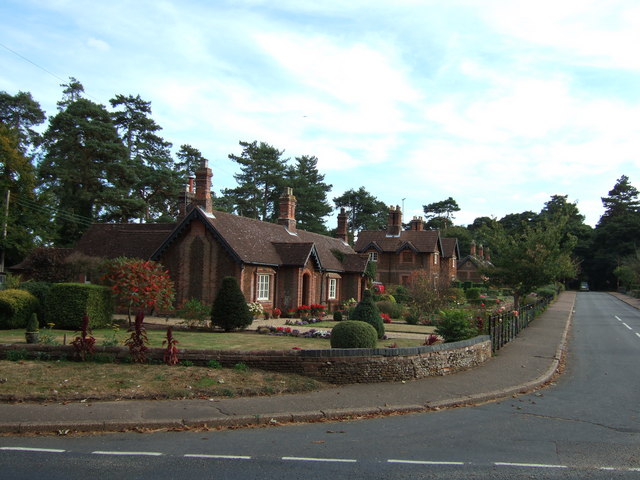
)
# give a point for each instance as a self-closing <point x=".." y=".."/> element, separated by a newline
<point x="63" y="214"/>
<point x="32" y="63"/>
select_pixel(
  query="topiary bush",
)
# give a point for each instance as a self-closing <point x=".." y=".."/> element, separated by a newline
<point x="40" y="291"/>
<point x="455" y="325"/>
<point x="367" y="311"/>
<point x="66" y="304"/>
<point x="354" y="334"/>
<point x="337" y="316"/>
<point x="230" y="310"/>
<point x="16" y="308"/>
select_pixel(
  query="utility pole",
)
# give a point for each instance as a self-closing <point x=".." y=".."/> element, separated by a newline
<point x="4" y="236"/>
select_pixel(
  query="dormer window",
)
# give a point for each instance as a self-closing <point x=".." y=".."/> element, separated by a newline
<point x="373" y="256"/>
<point x="406" y="256"/>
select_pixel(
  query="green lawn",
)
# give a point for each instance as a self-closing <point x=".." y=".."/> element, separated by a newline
<point x="248" y="340"/>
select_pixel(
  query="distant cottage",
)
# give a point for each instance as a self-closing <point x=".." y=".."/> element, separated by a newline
<point x="399" y="253"/>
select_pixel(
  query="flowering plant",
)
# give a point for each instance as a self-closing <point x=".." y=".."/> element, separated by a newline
<point x="386" y="318"/>
<point x="276" y="312"/>
<point x="317" y="309"/>
<point x="255" y="308"/>
<point x="304" y="310"/>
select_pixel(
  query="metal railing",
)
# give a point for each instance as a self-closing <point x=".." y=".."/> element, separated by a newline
<point x="504" y="327"/>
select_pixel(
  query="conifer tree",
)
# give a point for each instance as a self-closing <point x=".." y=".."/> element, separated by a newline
<point x="367" y="311"/>
<point x="230" y="310"/>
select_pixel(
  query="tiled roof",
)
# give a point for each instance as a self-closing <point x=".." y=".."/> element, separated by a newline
<point x="425" y="241"/>
<point x="450" y="247"/>
<point x="134" y="240"/>
<point x="256" y="242"/>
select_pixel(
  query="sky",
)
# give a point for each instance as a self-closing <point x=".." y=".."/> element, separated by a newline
<point x="499" y="104"/>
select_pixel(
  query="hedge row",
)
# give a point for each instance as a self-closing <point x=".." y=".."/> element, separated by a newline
<point x="66" y="303"/>
<point x="16" y="307"/>
<point x="62" y="304"/>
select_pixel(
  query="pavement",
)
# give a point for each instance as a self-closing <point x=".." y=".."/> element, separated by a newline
<point x="527" y="363"/>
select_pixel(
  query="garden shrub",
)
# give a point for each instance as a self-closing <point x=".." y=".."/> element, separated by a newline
<point x="457" y="295"/>
<point x="547" y="291"/>
<point x="66" y="304"/>
<point x="394" y="310"/>
<point x="366" y="311"/>
<point x="354" y="334"/>
<point x="230" y="310"/>
<point x="16" y="308"/>
<point x="401" y="294"/>
<point x="472" y="293"/>
<point x="337" y="316"/>
<point x="40" y="291"/>
<point x="455" y="325"/>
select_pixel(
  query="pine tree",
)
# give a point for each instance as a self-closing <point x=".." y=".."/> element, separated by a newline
<point x="311" y="192"/>
<point x="83" y="155"/>
<point x="260" y="181"/>
<point x="366" y="212"/>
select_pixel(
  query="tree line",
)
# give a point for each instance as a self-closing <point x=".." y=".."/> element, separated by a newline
<point x="94" y="164"/>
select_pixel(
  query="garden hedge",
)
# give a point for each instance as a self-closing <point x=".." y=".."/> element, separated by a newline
<point x="40" y="291"/>
<point x="367" y="311"/>
<point x="66" y="303"/>
<point x="16" y="308"/>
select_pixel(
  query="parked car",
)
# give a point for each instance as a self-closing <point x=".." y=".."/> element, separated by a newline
<point x="584" y="287"/>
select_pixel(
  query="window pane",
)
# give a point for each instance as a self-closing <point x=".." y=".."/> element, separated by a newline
<point x="263" y="287"/>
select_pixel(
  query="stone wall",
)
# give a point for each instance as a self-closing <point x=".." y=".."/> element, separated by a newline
<point x="339" y="366"/>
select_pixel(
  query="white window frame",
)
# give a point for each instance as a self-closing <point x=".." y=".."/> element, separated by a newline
<point x="332" y="289"/>
<point x="263" y="284"/>
<point x="373" y="256"/>
<point x="435" y="258"/>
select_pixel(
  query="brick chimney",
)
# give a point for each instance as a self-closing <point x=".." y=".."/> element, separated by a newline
<point x="394" y="226"/>
<point x="203" y="187"/>
<point x="473" y="248"/>
<point x="487" y="255"/>
<point x="481" y="252"/>
<point x="185" y="198"/>
<point x="287" y="216"/>
<point x="417" y="224"/>
<point x="342" y="233"/>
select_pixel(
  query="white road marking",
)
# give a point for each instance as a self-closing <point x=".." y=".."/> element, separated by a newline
<point x="528" y="465"/>
<point x="424" y="462"/>
<point x="28" y="449"/>
<point x="637" y="334"/>
<point x="617" y="318"/>
<point x="627" y="326"/>
<point x="227" y="457"/>
<point x="310" y="459"/>
<point x="145" y="454"/>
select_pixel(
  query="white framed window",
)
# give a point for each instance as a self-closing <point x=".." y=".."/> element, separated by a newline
<point x="435" y="258"/>
<point x="373" y="256"/>
<point x="263" y="287"/>
<point x="333" y="289"/>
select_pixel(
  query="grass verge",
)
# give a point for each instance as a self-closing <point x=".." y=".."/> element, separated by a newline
<point x="64" y="381"/>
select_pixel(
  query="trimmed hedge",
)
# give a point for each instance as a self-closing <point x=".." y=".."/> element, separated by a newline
<point x="16" y="308"/>
<point x="40" y="291"/>
<point x="66" y="303"/>
<point x="354" y="334"/>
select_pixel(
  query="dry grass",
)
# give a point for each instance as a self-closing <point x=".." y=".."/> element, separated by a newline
<point x="61" y="381"/>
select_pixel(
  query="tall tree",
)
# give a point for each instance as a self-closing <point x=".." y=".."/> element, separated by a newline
<point x="189" y="160"/>
<point x="84" y="153"/>
<point x="439" y="215"/>
<point x="516" y="223"/>
<point x="28" y="220"/>
<point x="365" y="211"/>
<point x="311" y="193"/>
<point x="532" y="258"/>
<point x="260" y="181"/>
<point x="21" y="113"/>
<point x="149" y="174"/>
<point x="616" y="235"/>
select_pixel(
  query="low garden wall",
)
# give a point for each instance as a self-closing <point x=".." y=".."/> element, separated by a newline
<point x="338" y="366"/>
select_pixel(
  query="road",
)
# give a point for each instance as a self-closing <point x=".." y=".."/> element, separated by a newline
<point x="587" y="425"/>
